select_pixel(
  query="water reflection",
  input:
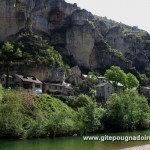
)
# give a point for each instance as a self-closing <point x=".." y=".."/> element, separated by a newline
<point x="73" y="143"/>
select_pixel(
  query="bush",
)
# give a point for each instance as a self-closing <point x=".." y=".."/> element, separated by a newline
<point x="11" y="118"/>
<point x="89" y="114"/>
<point x="126" y="111"/>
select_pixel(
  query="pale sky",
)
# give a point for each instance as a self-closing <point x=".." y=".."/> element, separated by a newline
<point x="130" y="12"/>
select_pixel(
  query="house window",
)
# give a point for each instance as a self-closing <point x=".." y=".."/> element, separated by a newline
<point x="53" y="87"/>
<point x="26" y="86"/>
<point x="37" y="85"/>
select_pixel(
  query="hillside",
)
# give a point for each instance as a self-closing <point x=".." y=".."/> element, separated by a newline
<point x="93" y="42"/>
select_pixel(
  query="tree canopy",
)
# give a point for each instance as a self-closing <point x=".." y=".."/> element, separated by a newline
<point x="30" y="48"/>
<point x="117" y="75"/>
<point x="126" y="111"/>
<point x="9" y="55"/>
<point x="36" y="49"/>
<point x="131" y="81"/>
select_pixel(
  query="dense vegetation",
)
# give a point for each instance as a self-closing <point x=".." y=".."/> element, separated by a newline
<point x="25" y="115"/>
<point x="117" y="75"/>
<point x="29" y="49"/>
<point x="126" y="111"/>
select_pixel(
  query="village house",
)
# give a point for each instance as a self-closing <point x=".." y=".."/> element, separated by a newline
<point x="32" y="84"/>
<point x="3" y="80"/>
<point x="105" y="89"/>
<point x="28" y="83"/>
<point x="145" y="91"/>
<point x="58" y="89"/>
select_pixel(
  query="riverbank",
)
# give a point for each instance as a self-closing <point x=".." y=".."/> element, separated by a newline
<point x="27" y="115"/>
<point x="74" y="143"/>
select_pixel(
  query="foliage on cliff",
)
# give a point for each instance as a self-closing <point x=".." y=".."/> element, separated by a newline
<point x="36" y="49"/>
<point x="32" y="49"/>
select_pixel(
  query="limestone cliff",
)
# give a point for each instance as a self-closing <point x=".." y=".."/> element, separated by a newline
<point x="90" y="40"/>
<point x="43" y="72"/>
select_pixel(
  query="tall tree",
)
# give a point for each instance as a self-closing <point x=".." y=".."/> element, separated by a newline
<point x="132" y="81"/>
<point x="9" y="55"/>
<point x="116" y="75"/>
<point x="126" y="111"/>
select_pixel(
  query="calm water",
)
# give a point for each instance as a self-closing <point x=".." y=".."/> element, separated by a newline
<point x="72" y="143"/>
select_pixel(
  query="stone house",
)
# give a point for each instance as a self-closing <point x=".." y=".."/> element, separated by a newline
<point x="58" y="89"/>
<point x="28" y="83"/>
<point x="3" y="80"/>
<point x="105" y="89"/>
<point x="145" y="91"/>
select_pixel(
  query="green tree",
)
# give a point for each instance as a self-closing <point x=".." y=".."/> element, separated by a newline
<point x="116" y="75"/>
<point x="131" y="81"/>
<point x="126" y="111"/>
<point x="11" y="118"/>
<point x="91" y="79"/>
<point x="36" y="49"/>
<point x="8" y="56"/>
<point x="83" y="100"/>
<point x="89" y="114"/>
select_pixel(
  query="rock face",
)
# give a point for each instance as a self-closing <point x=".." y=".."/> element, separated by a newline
<point x="42" y="72"/>
<point x="73" y="32"/>
<point x="131" y="46"/>
<point x="80" y="43"/>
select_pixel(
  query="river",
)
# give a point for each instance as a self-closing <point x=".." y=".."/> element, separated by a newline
<point x="76" y="143"/>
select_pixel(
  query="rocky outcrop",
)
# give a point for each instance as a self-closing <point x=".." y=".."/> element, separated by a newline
<point x="73" y="32"/>
<point x="129" y="44"/>
<point x="80" y="43"/>
<point x="42" y="72"/>
<point x="105" y="57"/>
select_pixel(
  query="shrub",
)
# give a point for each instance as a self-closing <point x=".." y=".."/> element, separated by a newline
<point x="126" y="111"/>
